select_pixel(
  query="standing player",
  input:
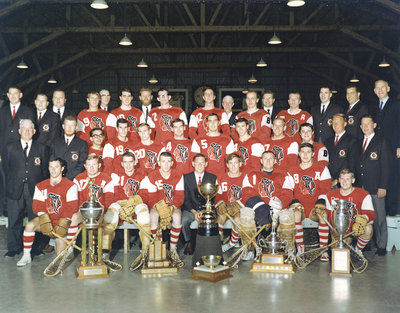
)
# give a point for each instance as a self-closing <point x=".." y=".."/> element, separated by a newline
<point x="309" y="181"/>
<point x="198" y="119"/>
<point x="214" y="145"/>
<point x="163" y="116"/>
<point x="55" y="200"/>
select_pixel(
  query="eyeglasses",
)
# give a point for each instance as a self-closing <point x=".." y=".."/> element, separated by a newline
<point x="98" y="135"/>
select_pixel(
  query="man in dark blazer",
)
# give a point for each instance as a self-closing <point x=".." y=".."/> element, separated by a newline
<point x="193" y="204"/>
<point x="26" y="164"/>
<point x="268" y="101"/>
<point x="322" y="115"/>
<point x="354" y="111"/>
<point x="70" y="148"/>
<point x="59" y="107"/>
<point x="342" y="148"/>
<point x="146" y="102"/>
<point x="48" y="123"/>
<point x="374" y="176"/>
<point x="387" y="117"/>
<point x="227" y="104"/>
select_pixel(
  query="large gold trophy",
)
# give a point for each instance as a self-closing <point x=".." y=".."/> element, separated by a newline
<point x="91" y="265"/>
<point x="208" y="243"/>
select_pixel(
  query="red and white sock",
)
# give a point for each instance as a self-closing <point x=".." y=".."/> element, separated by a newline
<point x="323" y="232"/>
<point x="174" y="236"/>
<point x="299" y="234"/>
<point x="361" y="242"/>
<point x="28" y="238"/>
<point x="234" y="237"/>
<point x="220" y="229"/>
<point x="72" y="230"/>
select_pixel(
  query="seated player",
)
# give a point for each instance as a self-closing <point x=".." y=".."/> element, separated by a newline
<point x="307" y="135"/>
<point x="214" y="145"/>
<point x="166" y="195"/>
<point x="55" y="201"/>
<point x="360" y="208"/>
<point x="247" y="147"/>
<point x="237" y="198"/>
<point x="129" y="201"/>
<point x="310" y="180"/>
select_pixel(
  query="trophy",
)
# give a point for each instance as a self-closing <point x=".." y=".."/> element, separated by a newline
<point x="91" y="265"/>
<point x="341" y="254"/>
<point x="208" y="243"/>
<point x="274" y="260"/>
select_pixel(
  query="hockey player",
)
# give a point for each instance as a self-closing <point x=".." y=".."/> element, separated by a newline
<point x="307" y="135"/>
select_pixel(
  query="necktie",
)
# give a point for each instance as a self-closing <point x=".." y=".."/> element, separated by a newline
<point x="364" y="145"/>
<point x="40" y="117"/>
<point x="67" y="141"/>
<point x="323" y="109"/>
<point x="336" y="139"/>
<point x="146" y="114"/>
<point x="199" y="183"/>
<point x="13" y="112"/>
<point x="268" y="111"/>
<point x="381" y="105"/>
<point x="59" y="112"/>
<point x="349" y="109"/>
<point x="26" y="150"/>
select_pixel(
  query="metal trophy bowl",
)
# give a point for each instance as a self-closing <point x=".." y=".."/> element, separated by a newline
<point x="211" y="260"/>
<point x="208" y="225"/>
<point x="208" y="191"/>
<point x="341" y="219"/>
<point x="91" y="210"/>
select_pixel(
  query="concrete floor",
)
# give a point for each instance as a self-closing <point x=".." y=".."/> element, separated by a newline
<point x="310" y="290"/>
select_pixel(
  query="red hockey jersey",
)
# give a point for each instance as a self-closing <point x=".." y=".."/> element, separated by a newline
<point x="198" y="122"/>
<point x="183" y="156"/>
<point x="259" y="124"/>
<point x="285" y="150"/>
<point x="87" y="120"/>
<point x="250" y="152"/>
<point x="162" y="119"/>
<point x="293" y="122"/>
<point x="128" y="186"/>
<point x="113" y="151"/>
<point x="148" y="155"/>
<point x="233" y="189"/>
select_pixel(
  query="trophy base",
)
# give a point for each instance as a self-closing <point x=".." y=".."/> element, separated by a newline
<point x="91" y="271"/>
<point x="159" y="270"/>
<point x="273" y="263"/>
<point x="340" y="262"/>
<point x="203" y="272"/>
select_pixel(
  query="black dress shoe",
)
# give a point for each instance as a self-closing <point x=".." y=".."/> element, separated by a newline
<point x="11" y="254"/>
<point x="380" y="251"/>
<point x="188" y="249"/>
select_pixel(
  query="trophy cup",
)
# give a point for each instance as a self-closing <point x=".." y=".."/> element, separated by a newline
<point x="208" y="243"/>
<point x="91" y="265"/>
<point x="274" y="260"/>
<point x="341" y="254"/>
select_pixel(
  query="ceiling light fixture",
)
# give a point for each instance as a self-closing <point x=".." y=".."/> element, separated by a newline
<point x="99" y="4"/>
<point x="125" y="41"/>
<point x="52" y="80"/>
<point x="142" y="64"/>
<point x="274" y="40"/>
<point x="22" y="64"/>
<point x="252" y="79"/>
<point x="354" y="79"/>
<point x="261" y="63"/>
<point x="295" y="3"/>
<point x="384" y="63"/>
<point x="153" y="80"/>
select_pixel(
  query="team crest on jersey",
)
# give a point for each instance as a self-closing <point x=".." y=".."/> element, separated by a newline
<point x="168" y="192"/>
<point x="166" y="122"/>
<point x="292" y="127"/>
<point x="55" y="203"/>
<point x="373" y="156"/>
<point x="252" y="126"/>
<point x="96" y="192"/>
<point x="329" y="121"/>
<point x="214" y="151"/>
<point x="37" y="161"/>
<point x="307" y="185"/>
<point x="234" y="193"/>
<point x="342" y="153"/>
<point x="134" y="122"/>
<point x="205" y="123"/>
<point x="244" y="154"/>
<point x="351" y="208"/>
<point x="96" y="122"/>
<point x="181" y="154"/>
<point x="278" y="151"/>
<point x="266" y="188"/>
<point x="131" y="187"/>
<point x="151" y="160"/>
<point x="46" y="127"/>
<point x="351" y="120"/>
<point x="74" y="156"/>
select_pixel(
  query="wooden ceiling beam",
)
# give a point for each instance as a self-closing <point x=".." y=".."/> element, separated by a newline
<point x="12" y="7"/>
<point x="390" y="5"/>
<point x="83" y="77"/>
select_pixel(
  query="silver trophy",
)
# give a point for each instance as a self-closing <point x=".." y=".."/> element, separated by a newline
<point x="341" y="219"/>
<point x="91" y="210"/>
<point x="273" y="241"/>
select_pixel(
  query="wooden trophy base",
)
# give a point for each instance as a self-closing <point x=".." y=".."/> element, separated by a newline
<point x="203" y="272"/>
<point x="158" y="262"/>
<point x="273" y="263"/>
<point x="91" y="271"/>
<point x="340" y="262"/>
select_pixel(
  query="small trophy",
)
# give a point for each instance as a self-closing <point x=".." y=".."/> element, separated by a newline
<point x="274" y="260"/>
<point x="208" y="243"/>
<point x="91" y="265"/>
<point x="341" y="254"/>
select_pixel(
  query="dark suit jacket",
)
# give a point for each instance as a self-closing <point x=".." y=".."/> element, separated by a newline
<point x="388" y="122"/>
<point x="48" y="129"/>
<point x="323" y="123"/>
<point x="74" y="155"/>
<point x="232" y="119"/>
<point x="354" y="120"/>
<point x="374" y="167"/>
<point x="344" y="155"/>
<point x="34" y="167"/>
<point x="9" y="127"/>
<point x="193" y="200"/>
